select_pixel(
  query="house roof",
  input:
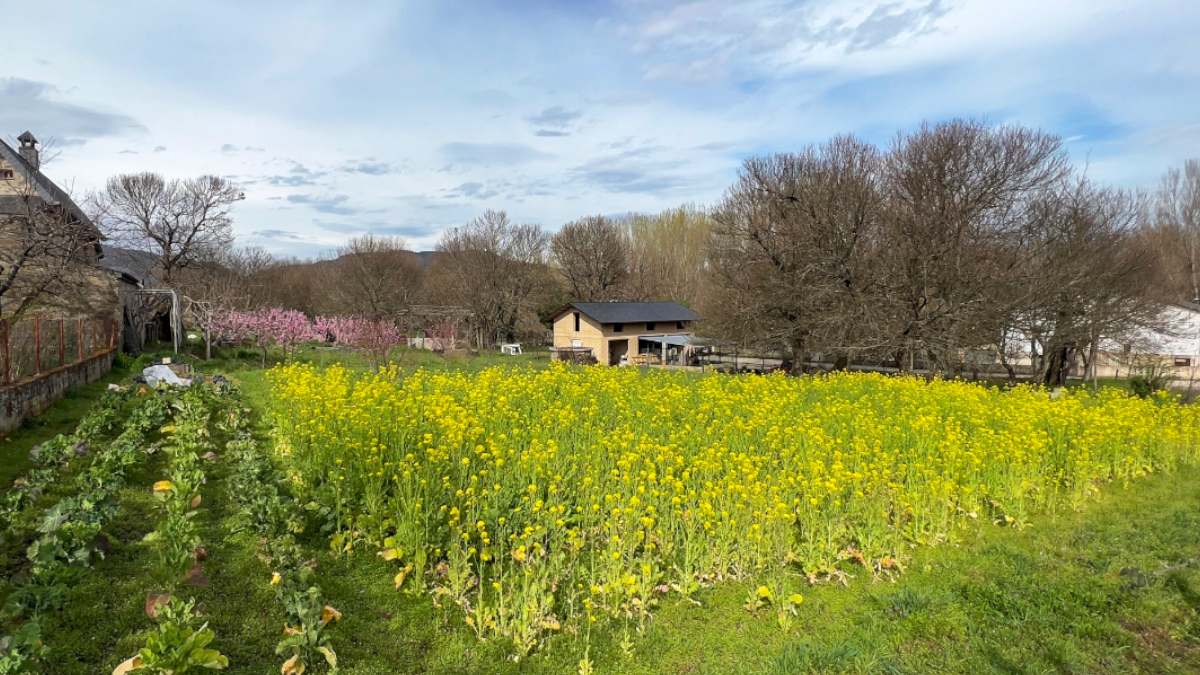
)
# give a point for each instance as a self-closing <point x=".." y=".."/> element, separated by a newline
<point x="633" y="312"/>
<point x="141" y="266"/>
<point x="43" y="187"/>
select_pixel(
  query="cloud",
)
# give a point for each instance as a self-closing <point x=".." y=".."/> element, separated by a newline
<point x="26" y="104"/>
<point x="128" y="152"/>
<point x="160" y="148"/>
<point x="893" y="21"/>
<point x="555" y="117"/>
<point x="230" y="148"/>
<point x="379" y="227"/>
<point x="646" y="169"/>
<point x="368" y="166"/>
<point x="554" y="121"/>
<point x="298" y="176"/>
<point x="550" y="133"/>
<point x="491" y="154"/>
<point x="707" y="39"/>
<point x="331" y="204"/>
<point x="471" y="190"/>
<point x="286" y="235"/>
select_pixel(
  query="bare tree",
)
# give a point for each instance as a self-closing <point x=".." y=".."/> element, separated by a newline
<point x="220" y="283"/>
<point x="1176" y="217"/>
<point x="956" y="222"/>
<point x="375" y="277"/>
<point x="1093" y="277"/>
<point x="497" y="270"/>
<point x="792" y="247"/>
<point x="592" y="254"/>
<point x="181" y="221"/>
<point x="668" y="255"/>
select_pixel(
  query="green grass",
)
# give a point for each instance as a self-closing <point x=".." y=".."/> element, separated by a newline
<point x="1113" y="588"/>
<point x="60" y="418"/>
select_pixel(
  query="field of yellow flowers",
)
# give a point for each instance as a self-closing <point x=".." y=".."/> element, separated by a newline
<point x="538" y="501"/>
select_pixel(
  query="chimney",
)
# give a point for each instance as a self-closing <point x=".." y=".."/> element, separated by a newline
<point x="29" y="150"/>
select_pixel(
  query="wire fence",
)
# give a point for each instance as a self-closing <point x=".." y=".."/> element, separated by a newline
<point x="34" y="346"/>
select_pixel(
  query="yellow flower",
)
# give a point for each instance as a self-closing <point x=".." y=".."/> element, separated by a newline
<point x="163" y="486"/>
<point x="275" y="578"/>
<point x="763" y="593"/>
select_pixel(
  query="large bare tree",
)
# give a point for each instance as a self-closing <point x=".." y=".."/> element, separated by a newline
<point x="1092" y="275"/>
<point x="667" y="255"/>
<point x="181" y="221"/>
<point x="793" y="247"/>
<point x="957" y="200"/>
<point x="373" y="276"/>
<point x="495" y="269"/>
<point x="592" y="255"/>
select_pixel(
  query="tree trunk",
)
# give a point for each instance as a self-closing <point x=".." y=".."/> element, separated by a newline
<point x="797" y="347"/>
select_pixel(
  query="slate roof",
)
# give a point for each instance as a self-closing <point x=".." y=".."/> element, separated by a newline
<point x="140" y="266"/>
<point x="633" y="312"/>
<point x="44" y="188"/>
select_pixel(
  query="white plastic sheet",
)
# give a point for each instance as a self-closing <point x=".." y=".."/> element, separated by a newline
<point x="159" y="373"/>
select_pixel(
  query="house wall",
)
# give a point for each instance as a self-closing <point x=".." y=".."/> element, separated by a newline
<point x="590" y="334"/>
<point x="15" y="186"/>
<point x="598" y="337"/>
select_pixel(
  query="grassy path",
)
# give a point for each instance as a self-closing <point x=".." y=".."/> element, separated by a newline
<point x="60" y="418"/>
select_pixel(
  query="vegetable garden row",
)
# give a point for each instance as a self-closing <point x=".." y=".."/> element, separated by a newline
<point x="63" y="537"/>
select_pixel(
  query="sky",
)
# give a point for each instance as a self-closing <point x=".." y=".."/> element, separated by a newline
<point x="404" y="119"/>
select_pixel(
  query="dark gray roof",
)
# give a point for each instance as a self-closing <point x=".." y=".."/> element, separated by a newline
<point x="634" y="312"/>
<point x="141" y="266"/>
<point x="44" y="188"/>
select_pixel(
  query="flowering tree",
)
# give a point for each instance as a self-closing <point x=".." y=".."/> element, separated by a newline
<point x="375" y="338"/>
<point x="288" y="328"/>
<point x="284" y="328"/>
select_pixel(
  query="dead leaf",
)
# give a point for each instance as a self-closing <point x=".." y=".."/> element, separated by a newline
<point x="128" y="665"/>
<point x="154" y="601"/>
<point x="293" y="666"/>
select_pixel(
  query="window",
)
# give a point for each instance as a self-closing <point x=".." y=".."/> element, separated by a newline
<point x="576" y="322"/>
<point x="618" y="327"/>
<point x="649" y="325"/>
<point x="1183" y="362"/>
<point x="679" y="325"/>
<point x="6" y="174"/>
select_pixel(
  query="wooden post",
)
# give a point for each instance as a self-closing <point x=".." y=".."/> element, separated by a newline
<point x="37" y="344"/>
<point x="62" y="342"/>
<point x="7" y="355"/>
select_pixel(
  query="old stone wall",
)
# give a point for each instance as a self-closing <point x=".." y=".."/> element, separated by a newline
<point x="25" y="399"/>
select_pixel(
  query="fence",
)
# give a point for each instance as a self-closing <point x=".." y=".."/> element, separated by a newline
<point x="32" y="347"/>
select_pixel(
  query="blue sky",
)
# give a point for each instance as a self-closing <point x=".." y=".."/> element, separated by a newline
<point x="407" y="118"/>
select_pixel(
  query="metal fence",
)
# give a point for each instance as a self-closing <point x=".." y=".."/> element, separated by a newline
<point x="37" y="345"/>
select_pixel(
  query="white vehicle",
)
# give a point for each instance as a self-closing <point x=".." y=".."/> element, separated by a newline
<point x="513" y="349"/>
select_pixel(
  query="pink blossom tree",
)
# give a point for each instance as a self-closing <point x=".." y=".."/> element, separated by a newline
<point x="375" y="338"/>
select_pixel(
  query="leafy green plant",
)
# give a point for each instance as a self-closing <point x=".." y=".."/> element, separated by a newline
<point x="177" y="646"/>
<point x="306" y="640"/>
<point x="20" y="649"/>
